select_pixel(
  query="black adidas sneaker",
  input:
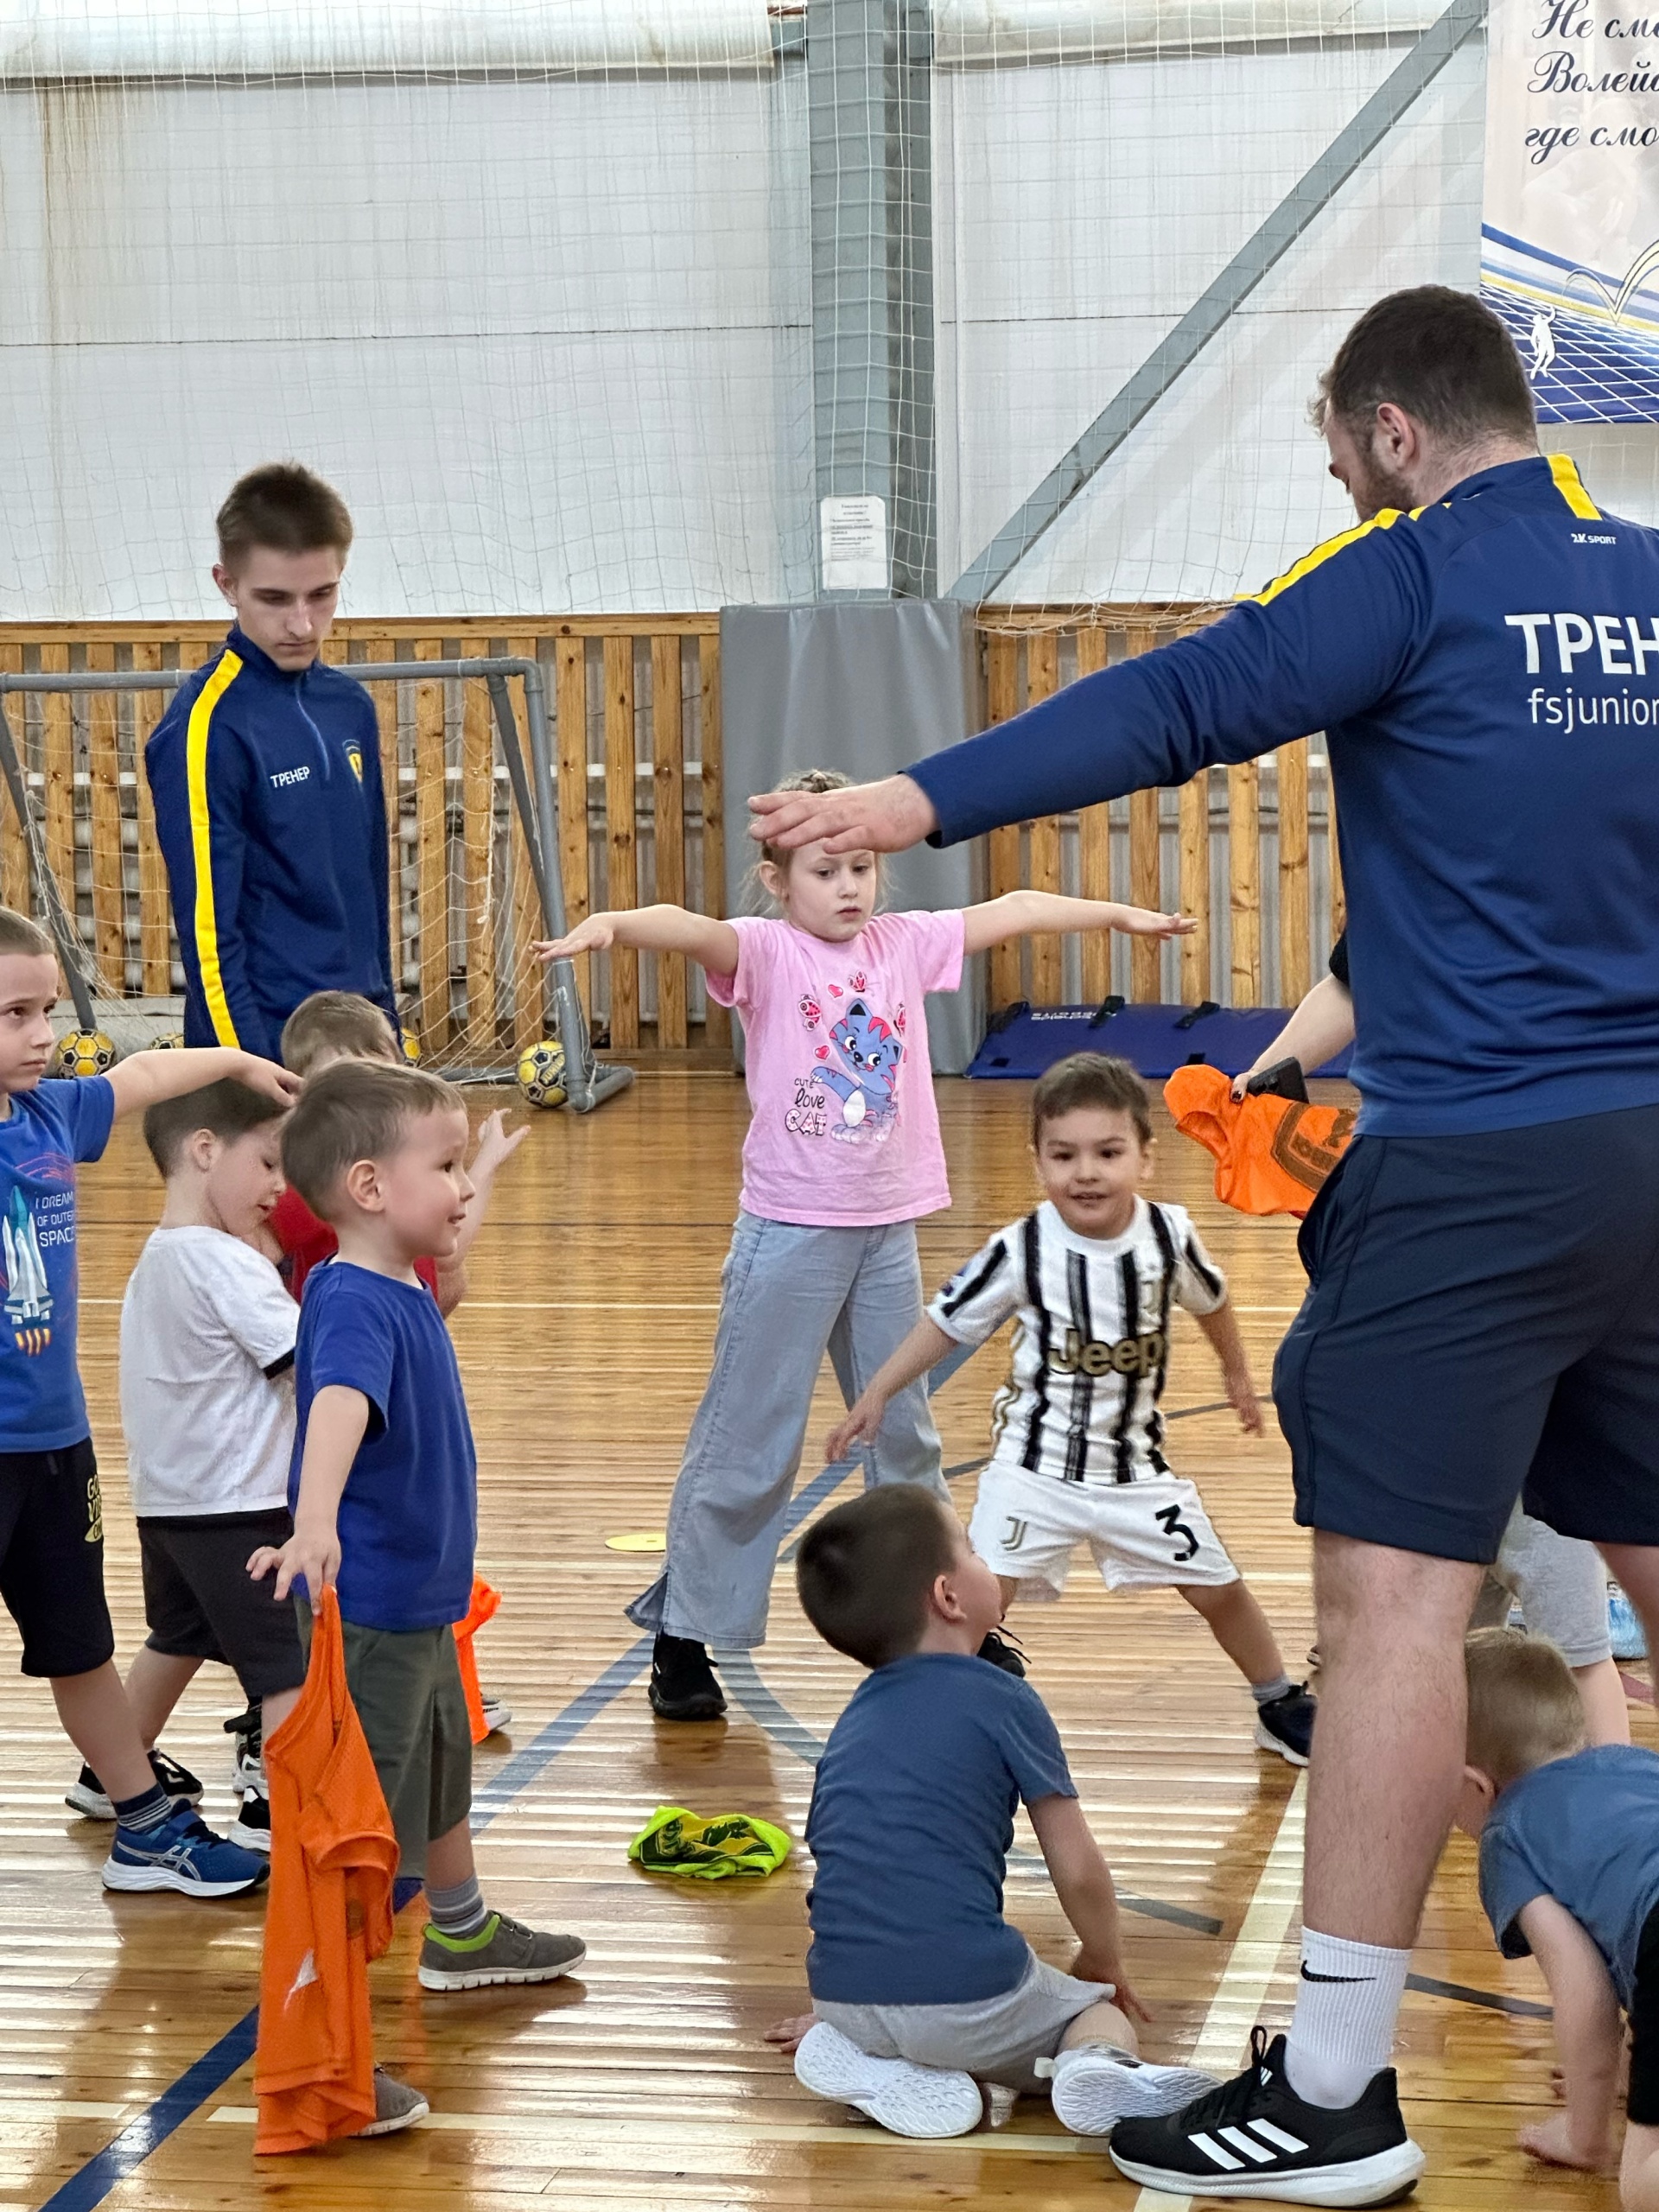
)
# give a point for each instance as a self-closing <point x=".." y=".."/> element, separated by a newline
<point x="1254" y="2137"/>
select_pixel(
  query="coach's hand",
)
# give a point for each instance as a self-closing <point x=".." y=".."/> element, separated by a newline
<point x="884" y="817"/>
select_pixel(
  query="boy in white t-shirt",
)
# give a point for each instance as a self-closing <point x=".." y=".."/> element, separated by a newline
<point x="208" y="1337"/>
<point x="1078" y="1436"/>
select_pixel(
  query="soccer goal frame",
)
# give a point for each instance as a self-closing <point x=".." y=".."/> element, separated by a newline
<point x="587" y="1081"/>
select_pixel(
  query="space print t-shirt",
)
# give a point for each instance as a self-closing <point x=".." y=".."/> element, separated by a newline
<point x="48" y="1130"/>
<point x="845" y="1133"/>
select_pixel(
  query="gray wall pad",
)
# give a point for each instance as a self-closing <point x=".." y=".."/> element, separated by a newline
<point x="864" y="688"/>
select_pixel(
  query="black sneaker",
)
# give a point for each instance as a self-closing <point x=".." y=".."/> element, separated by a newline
<point x="1254" y="2137"/>
<point x="86" y="1794"/>
<point x="1286" y="1724"/>
<point x="1001" y="1652"/>
<point x="683" y="1685"/>
<point x="251" y="1828"/>
<point x="246" y="1731"/>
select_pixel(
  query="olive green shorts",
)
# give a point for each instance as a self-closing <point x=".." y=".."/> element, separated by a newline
<point x="406" y="1686"/>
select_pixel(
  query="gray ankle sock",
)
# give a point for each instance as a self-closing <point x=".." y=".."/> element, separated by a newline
<point x="459" y="1912"/>
<point x="1265" y="1693"/>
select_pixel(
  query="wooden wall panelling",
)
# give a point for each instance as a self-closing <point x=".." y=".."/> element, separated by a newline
<point x="104" y="821"/>
<point x="58" y="761"/>
<point x="155" y="904"/>
<point x="1333" y="854"/>
<point x="718" y="1029"/>
<point x="1001" y="703"/>
<point x="1095" y="844"/>
<point x="1146" y="862"/>
<point x="570" y="699"/>
<point x="1244" y="880"/>
<point x="1295" y="909"/>
<point x="1042" y="681"/>
<point x="14" y="840"/>
<point x="1194" y="804"/>
<point x="668" y="816"/>
<point x="622" y="858"/>
<point x="432" y="852"/>
<point x="525" y="924"/>
<point x="478" y="864"/>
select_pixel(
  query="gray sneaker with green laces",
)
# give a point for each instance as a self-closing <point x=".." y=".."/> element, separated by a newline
<point x="503" y="1950"/>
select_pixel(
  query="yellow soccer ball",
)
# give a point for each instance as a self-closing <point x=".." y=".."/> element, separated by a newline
<point x="411" y="1045"/>
<point x="541" y="1072"/>
<point x="83" y="1051"/>
<point x="170" y="1040"/>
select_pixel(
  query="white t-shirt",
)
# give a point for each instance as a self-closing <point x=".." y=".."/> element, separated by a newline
<point x="207" y="1334"/>
<point x="1092" y="1346"/>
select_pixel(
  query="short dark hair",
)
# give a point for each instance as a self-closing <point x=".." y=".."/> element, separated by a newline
<point x="1440" y="355"/>
<point x="357" y="1110"/>
<point x="228" y="1109"/>
<point x="337" y="1021"/>
<point x="19" y="934"/>
<point x="1090" y="1079"/>
<point x="864" y="1571"/>
<point x="284" y="508"/>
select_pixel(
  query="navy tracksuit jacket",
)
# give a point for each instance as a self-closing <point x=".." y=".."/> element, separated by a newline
<point x="272" y="822"/>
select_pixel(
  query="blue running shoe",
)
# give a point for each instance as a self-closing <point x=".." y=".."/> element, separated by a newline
<point x="1624" y="1626"/>
<point x="182" y="1854"/>
<point x="1286" y="1725"/>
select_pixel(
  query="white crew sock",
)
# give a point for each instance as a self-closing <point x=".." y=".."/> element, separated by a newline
<point x="1343" y="2031"/>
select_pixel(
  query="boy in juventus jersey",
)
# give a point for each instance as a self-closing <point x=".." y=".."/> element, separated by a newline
<point x="1077" y="1432"/>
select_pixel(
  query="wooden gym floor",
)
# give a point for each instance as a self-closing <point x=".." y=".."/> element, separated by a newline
<point x="125" y="2022"/>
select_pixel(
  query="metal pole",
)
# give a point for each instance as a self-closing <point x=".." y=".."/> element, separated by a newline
<point x="51" y="897"/>
<point x="1170" y="359"/>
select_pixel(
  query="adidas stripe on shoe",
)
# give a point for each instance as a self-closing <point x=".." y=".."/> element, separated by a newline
<point x="1254" y="2137"/>
<point x="924" y="2102"/>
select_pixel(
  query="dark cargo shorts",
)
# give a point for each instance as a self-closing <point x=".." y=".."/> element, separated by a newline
<point x="1482" y="1321"/>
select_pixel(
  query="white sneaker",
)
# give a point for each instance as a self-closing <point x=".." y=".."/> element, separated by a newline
<point x="905" y="2100"/>
<point x="497" y="1712"/>
<point x="1096" y="2085"/>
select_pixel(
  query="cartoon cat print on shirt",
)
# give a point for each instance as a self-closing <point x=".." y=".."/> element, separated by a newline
<point x="858" y="1066"/>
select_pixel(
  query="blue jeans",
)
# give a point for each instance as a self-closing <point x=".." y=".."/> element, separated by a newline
<point x="788" y="1293"/>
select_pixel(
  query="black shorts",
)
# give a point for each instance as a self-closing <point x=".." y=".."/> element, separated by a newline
<point x="1642" y="2106"/>
<point x="1482" y="1321"/>
<point x="200" y="1602"/>
<point x="52" y="1559"/>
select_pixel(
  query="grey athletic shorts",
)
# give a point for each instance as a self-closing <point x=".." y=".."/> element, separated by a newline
<point x="1561" y="1586"/>
<point x="994" y="2038"/>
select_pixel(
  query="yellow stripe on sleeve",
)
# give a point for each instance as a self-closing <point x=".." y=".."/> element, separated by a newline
<point x="205" y="922"/>
<point x="1566" y="475"/>
<point x="1321" y="554"/>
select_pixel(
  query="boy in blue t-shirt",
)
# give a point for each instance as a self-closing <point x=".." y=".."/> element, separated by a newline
<point x="1569" y="1871"/>
<point x="51" y="1512"/>
<point x="920" y="1988"/>
<point x="384" y="1491"/>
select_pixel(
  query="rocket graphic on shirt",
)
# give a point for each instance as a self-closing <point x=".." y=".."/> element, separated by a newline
<point x="28" y="1298"/>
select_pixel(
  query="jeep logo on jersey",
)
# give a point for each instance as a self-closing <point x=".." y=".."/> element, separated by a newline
<point x="1617" y="641"/>
<point x="1140" y="1356"/>
<point x="280" y="776"/>
<point x="354" y="755"/>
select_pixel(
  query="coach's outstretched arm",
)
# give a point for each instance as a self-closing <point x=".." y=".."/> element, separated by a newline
<point x="1322" y="643"/>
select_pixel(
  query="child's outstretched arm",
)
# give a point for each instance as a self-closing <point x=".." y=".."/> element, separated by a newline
<point x="1019" y="913"/>
<point x="1082" y="1883"/>
<point x="1587" y="2042"/>
<point x="712" y="944"/>
<point x="1222" y="1329"/>
<point x="924" y="1348"/>
<point x="496" y="1146"/>
<point x="144" y="1079"/>
<point x="338" y="1419"/>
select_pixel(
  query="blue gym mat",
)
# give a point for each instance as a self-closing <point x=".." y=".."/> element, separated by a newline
<point x="1024" y="1041"/>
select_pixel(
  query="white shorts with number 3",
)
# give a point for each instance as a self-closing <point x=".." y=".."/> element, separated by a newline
<point x="1150" y="1534"/>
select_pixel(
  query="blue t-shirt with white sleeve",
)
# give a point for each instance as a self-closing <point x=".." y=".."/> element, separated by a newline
<point x="1584" y="1830"/>
<point x="42" y="1407"/>
<point x="911" y="1826"/>
<point x="409" y="1517"/>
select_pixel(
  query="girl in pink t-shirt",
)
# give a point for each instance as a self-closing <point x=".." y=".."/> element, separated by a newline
<point x="842" y="1157"/>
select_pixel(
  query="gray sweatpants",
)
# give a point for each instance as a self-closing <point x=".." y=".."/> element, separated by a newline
<point x="1560" y="1585"/>
<point x="788" y="1292"/>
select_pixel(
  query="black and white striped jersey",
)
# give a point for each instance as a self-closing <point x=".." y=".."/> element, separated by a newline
<point x="1092" y="1345"/>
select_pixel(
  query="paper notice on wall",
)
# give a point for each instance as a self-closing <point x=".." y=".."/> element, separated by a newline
<point x="853" y="543"/>
<point x="1570" y="224"/>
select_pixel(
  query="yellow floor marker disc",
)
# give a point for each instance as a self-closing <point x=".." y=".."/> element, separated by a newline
<point x="639" y="1540"/>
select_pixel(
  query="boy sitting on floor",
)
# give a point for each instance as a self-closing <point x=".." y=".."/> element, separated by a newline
<point x="1569" y="1871"/>
<point x="921" y="1990"/>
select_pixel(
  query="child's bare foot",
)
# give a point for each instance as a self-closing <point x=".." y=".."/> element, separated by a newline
<point x="1551" y="2142"/>
<point x="785" y="2035"/>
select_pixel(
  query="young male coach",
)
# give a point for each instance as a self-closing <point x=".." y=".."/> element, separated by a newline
<point x="1483" y="1310"/>
<point x="265" y="770"/>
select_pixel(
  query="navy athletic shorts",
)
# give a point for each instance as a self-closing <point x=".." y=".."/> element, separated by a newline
<point x="1482" y="1321"/>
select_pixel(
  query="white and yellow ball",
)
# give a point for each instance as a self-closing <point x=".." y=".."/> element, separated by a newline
<point x="541" y="1072"/>
<point x="170" y="1040"/>
<point x="82" y="1051"/>
<point x="411" y="1045"/>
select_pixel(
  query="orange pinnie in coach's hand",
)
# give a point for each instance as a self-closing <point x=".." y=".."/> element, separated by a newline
<point x="333" y="1856"/>
<point x="1272" y="1154"/>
